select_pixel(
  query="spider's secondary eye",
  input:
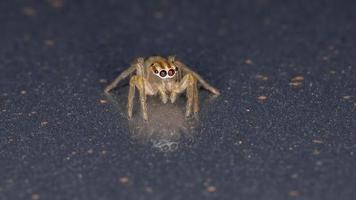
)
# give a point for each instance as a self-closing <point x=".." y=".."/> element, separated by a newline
<point x="156" y="71"/>
<point x="163" y="73"/>
<point x="171" y="72"/>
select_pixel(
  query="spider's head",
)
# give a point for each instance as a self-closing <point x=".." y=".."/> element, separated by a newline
<point x="163" y="69"/>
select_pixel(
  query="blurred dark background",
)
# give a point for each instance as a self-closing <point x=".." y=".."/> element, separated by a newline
<point x="283" y="128"/>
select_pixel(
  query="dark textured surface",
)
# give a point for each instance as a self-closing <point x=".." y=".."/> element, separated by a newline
<point x="59" y="141"/>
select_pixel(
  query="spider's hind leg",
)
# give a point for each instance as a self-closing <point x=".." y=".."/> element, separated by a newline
<point x="186" y="69"/>
<point x="136" y="65"/>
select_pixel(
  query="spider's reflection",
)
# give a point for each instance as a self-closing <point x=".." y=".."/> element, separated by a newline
<point x="167" y="128"/>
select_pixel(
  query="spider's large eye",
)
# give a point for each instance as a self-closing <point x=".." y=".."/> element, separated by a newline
<point x="163" y="73"/>
<point x="171" y="72"/>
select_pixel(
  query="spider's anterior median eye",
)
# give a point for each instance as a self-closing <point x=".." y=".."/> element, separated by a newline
<point x="171" y="72"/>
<point x="163" y="73"/>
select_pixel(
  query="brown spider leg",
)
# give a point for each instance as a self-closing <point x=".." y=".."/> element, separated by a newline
<point x="196" y="98"/>
<point x="143" y="97"/>
<point x="142" y="87"/>
<point x="122" y="76"/>
<point x="138" y="82"/>
<point x="188" y="83"/>
<point x="131" y="97"/>
<point x="185" y="68"/>
<point x="190" y="97"/>
<point x="135" y="64"/>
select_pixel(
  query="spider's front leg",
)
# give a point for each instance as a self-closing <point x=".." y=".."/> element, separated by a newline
<point x="188" y="83"/>
<point x="139" y="83"/>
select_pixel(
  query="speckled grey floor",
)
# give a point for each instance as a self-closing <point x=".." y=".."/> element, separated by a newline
<point x="283" y="128"/>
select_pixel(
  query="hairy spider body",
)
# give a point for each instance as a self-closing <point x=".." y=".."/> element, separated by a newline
<point x="167" y="77"/>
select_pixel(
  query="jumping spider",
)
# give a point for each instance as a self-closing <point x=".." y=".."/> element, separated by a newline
<point x="163" y="76"/>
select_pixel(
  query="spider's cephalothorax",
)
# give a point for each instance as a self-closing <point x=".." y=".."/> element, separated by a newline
<point x="162" y="68"/>
<point x="166" y="77"/>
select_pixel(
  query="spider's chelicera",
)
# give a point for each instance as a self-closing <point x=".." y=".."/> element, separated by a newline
<point x="167" y="77"/>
